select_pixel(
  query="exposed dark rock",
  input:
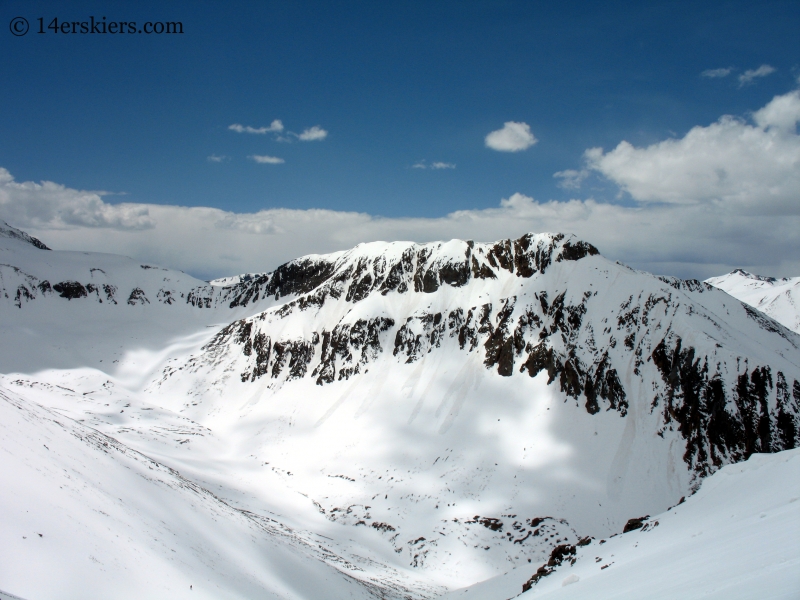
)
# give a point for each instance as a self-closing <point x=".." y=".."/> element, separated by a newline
<point x="137" y="297"/>
<point x="348" y="347"/>
<point x="560" y="553"/>
<point x="542" y="571"/>
<point x="23" y="295"/>
<point x="576" y="251"/>
<point x="396" y="279"/>
<point x="454" y="274"/>
<point x="165" y="296"/>
<point x="489" y="523"/>
<point x="787" y="411"/>
<point x="200" y="297"/>
<point x="111" y="291"/>
<point x="419" y="335"/>
<point x="70" y="290"/>
<point x="298" y="277"/>
<point x="634" y="524"/>
<point x="249" y="289"/>
<point x="499" y="346"/>
<point x="717" y="428"/>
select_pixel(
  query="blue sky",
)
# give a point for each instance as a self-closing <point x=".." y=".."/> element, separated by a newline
<point x="393" y="84"/>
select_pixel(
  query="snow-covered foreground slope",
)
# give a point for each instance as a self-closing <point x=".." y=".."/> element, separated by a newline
<point x="736" y="538"/>
<point x="778" y="298"/>
<point x="449" y="410"/>
<point x="85" y="516"/>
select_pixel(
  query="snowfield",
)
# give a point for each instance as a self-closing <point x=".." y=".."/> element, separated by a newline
<point x="736" y="538"/>
<point x="778" y="298"/>
<point x="393" y="421"/>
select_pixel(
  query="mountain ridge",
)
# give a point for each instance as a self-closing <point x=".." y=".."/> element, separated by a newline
<point x="462" y="407"/>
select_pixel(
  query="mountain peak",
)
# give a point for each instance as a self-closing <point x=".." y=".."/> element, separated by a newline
<point x="403" y="266"/>
<point x="8" y="231"/>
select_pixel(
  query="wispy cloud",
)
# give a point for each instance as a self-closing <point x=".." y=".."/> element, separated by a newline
<point x="434" y="165"/>
<point x="571" y="179"/>
<point x="313" y="134"/>
<point x="716" y="73"/>
<point x="268" y="160"/>
<point x="216" y="159"/>
<point x="275" y="127"/>
<point x="748" y="76"/>
<point x="513" y="137"/>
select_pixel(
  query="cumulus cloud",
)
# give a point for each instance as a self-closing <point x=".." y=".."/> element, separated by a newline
<point x="267" y="160"/>
<point x="730" y="163"/>
<point x="783" y="113"/>
<point x="52" y="205"/>
<point x="513" y="137"/>
<point x="315" y="133"/>
<point x="570" y="178"/>
<point x="716" y="73"/>
<point x="275" y="127"/>
<point x="748" y="76"/>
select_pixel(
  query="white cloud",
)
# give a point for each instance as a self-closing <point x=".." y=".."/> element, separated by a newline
<point x="698" y="240"/>
<point x="730" y="163"/>
<point x="216" y="159"/>
<point x="435" y="165"/>
<point x="52" y="205"/>
<point x="783" y="112"/>
<point x="723" y="196"/>
<point x="315" y="133"/>
<point x="716" y="73"/>
<point x="268" y="160"/>
<point x="513" y="137"/>
<point x="275" y="127"/>
<point x="749" y="75"/>
<point x="571" y="179"/>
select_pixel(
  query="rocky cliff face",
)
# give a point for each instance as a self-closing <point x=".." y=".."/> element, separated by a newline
<point x="722" y="375"/>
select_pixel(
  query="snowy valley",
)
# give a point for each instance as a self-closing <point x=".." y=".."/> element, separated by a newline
<point x="397" y="420"/>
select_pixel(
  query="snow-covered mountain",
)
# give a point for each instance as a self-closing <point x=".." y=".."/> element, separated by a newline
<point x="778" y="298"/>
<point x="735" y="538"/>
<point x="449" y="410"/>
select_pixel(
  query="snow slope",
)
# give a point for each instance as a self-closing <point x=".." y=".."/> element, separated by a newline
<point x="448" y="410"/>
<point x="466" y="390"/>
<point x="85" y="516"/>
<point x="778" y="298"/>
<point x="736" y="538"/>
